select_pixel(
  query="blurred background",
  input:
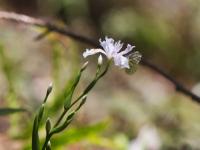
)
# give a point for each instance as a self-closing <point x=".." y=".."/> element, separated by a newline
<point x="123" y="112"/>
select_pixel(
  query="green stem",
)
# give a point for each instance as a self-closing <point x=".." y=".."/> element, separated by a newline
<point x="60" y="118"/>
<point x="88" y="88"/>
<point x="97" y="77"/>
<point x="46" y="141"/>
<point x="76" y="100"/>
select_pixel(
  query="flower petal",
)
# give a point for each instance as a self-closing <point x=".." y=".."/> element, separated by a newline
<point x="118" y="46"/>
<point x="127" y="50"/>
<point x="121" y="61"/>
<point x="108" y="46"/>
<point x="107" y="43"/>
<point x="92" y="52"/>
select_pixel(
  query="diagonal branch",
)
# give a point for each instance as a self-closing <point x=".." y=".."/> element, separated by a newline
<point x="51" y="27"/>
<point x="179" y="87"/>
<point x="19" y="18"/>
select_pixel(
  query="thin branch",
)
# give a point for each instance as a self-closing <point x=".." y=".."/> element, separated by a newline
<point x="179" y="87"/>
<point x="51" y="27"/>
<point x="19" y="18"/>
<point x="42" y="35"/>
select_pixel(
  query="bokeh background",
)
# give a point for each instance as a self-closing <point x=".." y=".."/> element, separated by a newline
<point x="122" y="112"/>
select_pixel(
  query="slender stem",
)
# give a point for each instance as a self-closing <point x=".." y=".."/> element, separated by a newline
<point x="76" y="100"/>
<point x="46" y="141"/>
<point x="97" y="77"/>
<point x="60" y="118"/>
<point x="48" y="136"/>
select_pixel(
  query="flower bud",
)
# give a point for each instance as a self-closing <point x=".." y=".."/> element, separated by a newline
<point x="49" y="90"/>
<point x="48" y="126"/>
<point x="48" y="146"/>
<point x="100" y="60"/>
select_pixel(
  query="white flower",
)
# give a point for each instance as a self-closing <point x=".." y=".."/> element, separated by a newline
<point x="112" y="50"/>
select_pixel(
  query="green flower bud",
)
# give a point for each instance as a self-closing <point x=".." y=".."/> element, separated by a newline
<point x="48" y="126"/>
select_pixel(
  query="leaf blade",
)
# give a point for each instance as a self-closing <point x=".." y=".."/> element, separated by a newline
<point x="9" y="111"/>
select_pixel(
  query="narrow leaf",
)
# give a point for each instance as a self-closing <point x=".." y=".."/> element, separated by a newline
<point x="8" y="111"/>
<point x="35" y="136"/>
<point x="68" y="99"/>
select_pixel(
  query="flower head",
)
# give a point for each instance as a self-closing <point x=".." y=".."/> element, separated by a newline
<point x="112" y="50"/>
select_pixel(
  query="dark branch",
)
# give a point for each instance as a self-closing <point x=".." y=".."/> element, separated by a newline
<point x="55" y="28"/>
<point x="42" y="35"/>
<point x="179" y="87"/>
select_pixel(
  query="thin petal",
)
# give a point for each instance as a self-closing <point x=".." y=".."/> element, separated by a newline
<point x="106" y="43"/>
<point x="92" y="52"/>
<point x="118" y="46"/>
<point x="108" y="46"/>
<point x="124" y="62"/>
<point x="127" y="50"/>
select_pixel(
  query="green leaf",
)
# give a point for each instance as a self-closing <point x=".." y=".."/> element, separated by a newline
<point x="60" y="97"/>
<point x="36" y="124"/>
<point x="68" y="99"/>
<point x="40" y="113"/>
<point x="35" y="136"/>
<point x="9" y="111"/>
